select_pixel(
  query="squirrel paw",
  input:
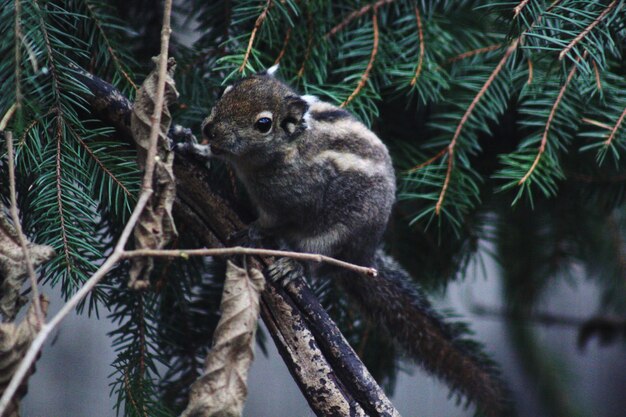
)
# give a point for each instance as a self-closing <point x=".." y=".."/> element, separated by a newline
<point x="250" y="237"/>
<point x="179" y="135"/>
<point x="253" y="236"/>
<point x="285" y="270"/>
<point x="201" y="153"/>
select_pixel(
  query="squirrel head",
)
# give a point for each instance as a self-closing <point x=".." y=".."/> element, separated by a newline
<point x="254" y="119"/>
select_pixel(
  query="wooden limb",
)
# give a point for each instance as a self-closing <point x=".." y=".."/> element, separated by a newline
<point x="341" y="356"/>
<point x="306" y="362"/>
<point x="107" y="103"/>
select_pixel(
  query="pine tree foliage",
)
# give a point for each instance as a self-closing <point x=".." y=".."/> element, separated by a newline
<point x="485" y="105"/>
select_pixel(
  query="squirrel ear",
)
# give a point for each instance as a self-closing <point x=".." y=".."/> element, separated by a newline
<point x="294" y="111"/>
<point x="271" y="71"/>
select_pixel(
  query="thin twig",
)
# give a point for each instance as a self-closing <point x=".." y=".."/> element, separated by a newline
<point x="155" y="128"/>
<point x="530" y="72"/>
<point x="238" y="250"/>
<point x="420" y="36"/>
<point x="257" y="26"/>
<point x="117" y="62"/>
<point x="285" y="44"/>
<point x="588" y="29"/>
<point x="370" y="64"/>
<point x="428" y="161"/>
<point x="597" y="74"/>
<point x="97" y="160"/>
<point x="518" y="9"/>
<point x="615" y="128"/>
<point x="18" y="58"/>
<point x="309" y="44"/>
<point x="544" y="137"/>
<point x="475" y="52"/>
<point x="59" y="186"/>
<point x="465" y="118"/>
<point x="355" y="15"/>
<point x="48" y="328"/>
<point x="116" y="255"/>
<point x="20" y="233"/>
<point x="7" y="117"/>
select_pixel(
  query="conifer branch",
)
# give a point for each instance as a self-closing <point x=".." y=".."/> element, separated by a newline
<point x="130" y="396"/>
<point x="58" y="134"/>
<point x="355" y="15"/>
<point x="530" y="72"/>
<point x="39" y="315"/>
<point x="116" y="255"/>
<point x="615" y="128"/>
<point x="475" y="52"/>
<point x="309" y="43"/>
<point x="518" y="9"/>
<point x="588" y="29"/>
<point x="59" y="186"/>
<point x="257" y="25"/>
<point x="110" y="49"/>
<point x="284" y="48"/>
<point x="370" y="64"/>
<point x="544" y="137"/>
<point x="465" y="118"/>
<point x="420" y="36"/>
<point x="97" y="160"/>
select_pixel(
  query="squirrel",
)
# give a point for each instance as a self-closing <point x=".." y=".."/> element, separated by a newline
<point x="323" y="183"/>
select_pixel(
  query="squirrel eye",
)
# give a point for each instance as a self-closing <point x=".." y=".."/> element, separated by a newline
<point x="263" y="125"/>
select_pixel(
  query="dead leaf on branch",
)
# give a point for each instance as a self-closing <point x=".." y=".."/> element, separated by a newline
<point x="155" y="228"/>
<point x="14" y="342"/>
<point x="222" y="389"/>
<point x="13" y="269"/>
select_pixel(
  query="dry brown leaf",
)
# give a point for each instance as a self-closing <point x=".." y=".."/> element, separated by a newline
<point x="14" y="341"/>
<point x="222" y="389"/>
<point x="155" y="227"/>
<point x="13" y="269"/>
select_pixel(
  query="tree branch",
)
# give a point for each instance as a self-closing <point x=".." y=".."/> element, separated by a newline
<point x="146" y="192"/>
<point x="238" y="250"/>
<point x="588" y="29"/>
<point x="544" y="137"/>
<point x="465" y="118"/>
<point x="370" y="64"/>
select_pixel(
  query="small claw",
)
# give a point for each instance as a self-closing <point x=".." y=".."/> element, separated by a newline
<point x="201" y="153"/>
<point x="250" y="237"/>
<point x="285" y="270"/>
<point x="242" y="238"/>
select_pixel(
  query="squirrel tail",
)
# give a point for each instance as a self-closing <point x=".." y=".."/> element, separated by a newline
<point x="400" y="306"/>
